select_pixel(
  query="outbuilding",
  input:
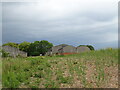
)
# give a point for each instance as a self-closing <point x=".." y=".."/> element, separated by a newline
<point x="14" y="52"/>
<point x="67" y="50"/>
<point x="56" y="48"/>
<point x="80" y="49"/>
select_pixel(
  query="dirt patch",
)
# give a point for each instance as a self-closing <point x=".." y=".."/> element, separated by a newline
<point x="90" y="73"/>
<point x="112" y="75"/>
<point x="76" y="82"/>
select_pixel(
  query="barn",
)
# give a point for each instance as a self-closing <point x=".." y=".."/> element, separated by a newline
<point x="67" y="50"/>
<point x="14" y="52"/>
<point x="80" y="49"/>
<point x="54" y="49"/>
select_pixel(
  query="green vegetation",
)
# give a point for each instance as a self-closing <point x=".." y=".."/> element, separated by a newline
<point x="11" y="44"/>
<point x="0" y="72"/>
<point x="24" y="46"/>
<point x="94" y="69"/>
<point x="4" y="54"/>
<point x="33" y="49"/>
<point x="39" y="47"/>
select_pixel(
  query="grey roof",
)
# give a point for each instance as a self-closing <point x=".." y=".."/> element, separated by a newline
<point x="63" y="45"/>
<point x="66" y="46"/>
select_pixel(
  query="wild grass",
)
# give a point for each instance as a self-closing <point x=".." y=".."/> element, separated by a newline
<point x="94" y="69"/>
<point x="0" y="72"/>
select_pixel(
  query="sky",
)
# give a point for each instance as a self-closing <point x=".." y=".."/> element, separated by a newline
<point x="72" y="22"/>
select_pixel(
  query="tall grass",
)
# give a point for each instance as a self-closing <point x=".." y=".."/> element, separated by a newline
<point x="61" y="71"/>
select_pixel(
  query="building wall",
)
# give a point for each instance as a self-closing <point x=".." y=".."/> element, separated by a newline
<point x="14" y="51"/>
<point x="56" y="48"/>
<point x="49" y="53"/>
<point x="23" y="54"/>
<point x="69" y="49"/>
<point x="82" y="49"/>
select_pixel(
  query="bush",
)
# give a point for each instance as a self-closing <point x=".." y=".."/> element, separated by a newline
<point x="11" y="44"/>
<point x="90" y="47"/>
<point x="5" y="54"/>
<point x="24" y="46"/>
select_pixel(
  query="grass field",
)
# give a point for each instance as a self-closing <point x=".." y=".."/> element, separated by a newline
<point x="94" y="69"/>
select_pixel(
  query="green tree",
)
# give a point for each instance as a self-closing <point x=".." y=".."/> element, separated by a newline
<point x="24" y="46"/>
<point x="34" y="49"/>
<point x="39" y="47"/>
<point x="91" y="47"/>
<point x="45" y="46"/>
<point x="11" y="44"/>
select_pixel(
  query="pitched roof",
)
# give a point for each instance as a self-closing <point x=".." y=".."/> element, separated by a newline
<point x="63" y="45"/>
<point x="66" y="46"/>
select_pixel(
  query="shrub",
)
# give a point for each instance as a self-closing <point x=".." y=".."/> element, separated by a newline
<point x="11" y="44"/>
<point x="5" y="54"/>
<point x="90" y="47"/>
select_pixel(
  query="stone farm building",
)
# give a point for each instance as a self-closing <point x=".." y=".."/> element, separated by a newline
<point x="14" y="52"/>
<point x="65" y="49"/>
<point x="54" y="49"/>
<point x="80" y="49"/>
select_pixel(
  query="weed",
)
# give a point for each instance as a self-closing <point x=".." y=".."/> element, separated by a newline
<point x="51" y="84"/>
<point x="48" y="71"/>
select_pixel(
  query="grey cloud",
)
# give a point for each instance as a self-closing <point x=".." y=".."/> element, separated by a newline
<point x="21" y="23"/>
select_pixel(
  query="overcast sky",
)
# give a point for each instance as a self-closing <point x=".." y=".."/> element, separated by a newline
<point x="73" y="22"/>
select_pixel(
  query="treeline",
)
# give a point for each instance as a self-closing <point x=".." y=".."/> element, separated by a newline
<point x="33" y="49"/>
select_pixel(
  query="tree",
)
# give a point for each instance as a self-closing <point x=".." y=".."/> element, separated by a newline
<point x="39" y="47"/>
<point x="11" y="44"/>
<point x="24" y="46"/>
<point x="34" y="49"/>
<point x="45" y="46"/>
<point x="90" y="47"/>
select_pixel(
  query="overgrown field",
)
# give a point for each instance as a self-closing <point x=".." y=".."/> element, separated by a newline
<point x="94" y="69"/>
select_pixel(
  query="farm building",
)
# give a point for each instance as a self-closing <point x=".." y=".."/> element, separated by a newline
<point x="49" y="52"/>
<point x="54" y="49"/>
<point x="67" y="50"/>
<point x="80" y="49"/>
<point x="14" y="52"/>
